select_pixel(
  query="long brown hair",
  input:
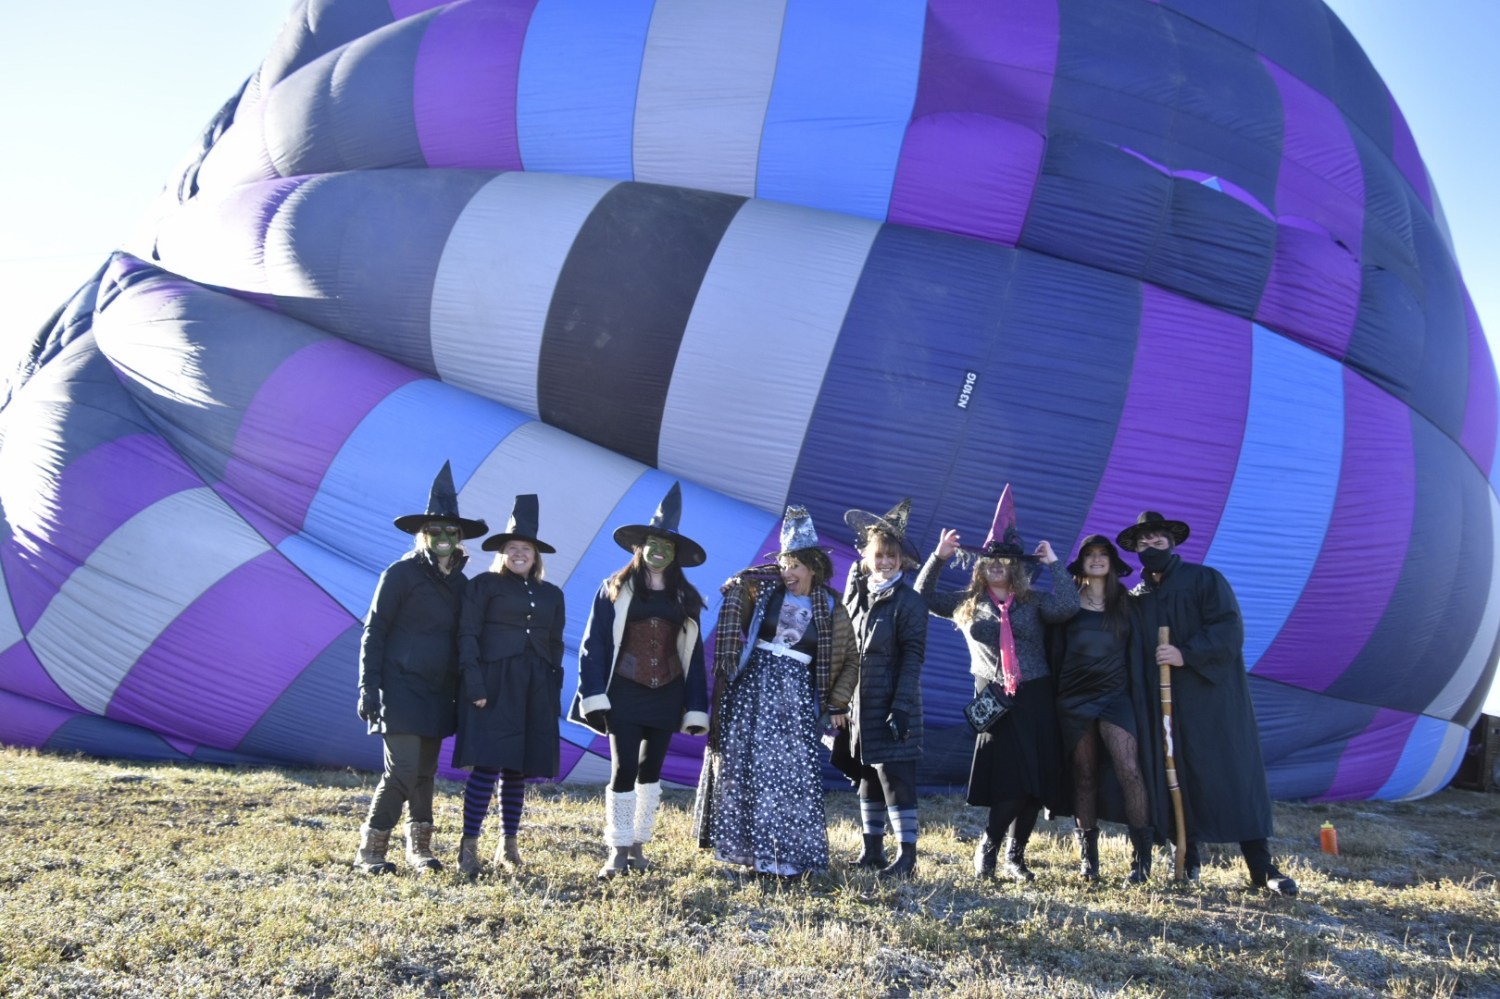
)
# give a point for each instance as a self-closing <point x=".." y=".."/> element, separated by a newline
<point x="678" y="586"/>
<point x="978" y="591"/>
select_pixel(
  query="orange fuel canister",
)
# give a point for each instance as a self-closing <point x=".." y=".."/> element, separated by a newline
<point x="1330" y="838"/>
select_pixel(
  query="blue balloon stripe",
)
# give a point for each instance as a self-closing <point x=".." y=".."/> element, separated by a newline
<point x="576" y="97"/>
<point x="1422" y="746"/>
<point x="845" y="85"/>
<point x="1284" y="487"/>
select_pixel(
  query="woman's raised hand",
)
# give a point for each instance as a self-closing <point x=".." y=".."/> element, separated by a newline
<point x="1045" y="553"/>
<point x="947" y="543"/>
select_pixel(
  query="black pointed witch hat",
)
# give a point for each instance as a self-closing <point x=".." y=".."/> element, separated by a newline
<point x="522" y="526"/>
<point x="442" y="504"/>
<point x="893" y="522"/>
<point x="664" y="525"/>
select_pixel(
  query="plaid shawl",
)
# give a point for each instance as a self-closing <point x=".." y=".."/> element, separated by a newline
<point x="749" y="589"/>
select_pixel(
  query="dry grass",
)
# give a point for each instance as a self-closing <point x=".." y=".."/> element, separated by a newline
<point x="132" y="879"/>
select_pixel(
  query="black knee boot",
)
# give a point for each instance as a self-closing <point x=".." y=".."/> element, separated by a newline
<point x="1140" y="854"/>
<point x="1088" y="853"/>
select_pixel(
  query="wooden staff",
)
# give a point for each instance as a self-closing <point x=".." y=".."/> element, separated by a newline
<point x="1179" y="861"/>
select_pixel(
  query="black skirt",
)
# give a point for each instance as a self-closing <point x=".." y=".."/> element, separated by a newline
<point x="1020" y="756"/>
<point x="517" y="729"/>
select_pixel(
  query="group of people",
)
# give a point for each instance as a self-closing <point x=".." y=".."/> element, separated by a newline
<point x="799" y="669"/>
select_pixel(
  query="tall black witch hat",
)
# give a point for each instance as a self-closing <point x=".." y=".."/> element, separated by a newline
<point x="524" y="519"/>
<point x="442" y="504"/>
<point x="664" y="525"/>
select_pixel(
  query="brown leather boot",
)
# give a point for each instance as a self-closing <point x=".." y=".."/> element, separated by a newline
<point x="468" y="856"/>
<point x="370" y="857"/>
<point x="419" y="848"/>
<point x="507" y="856"/>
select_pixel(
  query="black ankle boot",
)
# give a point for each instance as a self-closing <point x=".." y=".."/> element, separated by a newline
<point x="873" y="855"/>
<point x="903" y="865"/>
<point x="985" y="852"/>
<point x="1088" y="853"/>
<point x="1015" y="859"/>
<point x="1140" y="854"/>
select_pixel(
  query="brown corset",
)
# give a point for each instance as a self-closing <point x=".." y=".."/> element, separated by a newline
<point x="648" y="652"/>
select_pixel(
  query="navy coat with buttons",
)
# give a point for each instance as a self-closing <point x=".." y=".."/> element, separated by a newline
<point x="510" y="641"/>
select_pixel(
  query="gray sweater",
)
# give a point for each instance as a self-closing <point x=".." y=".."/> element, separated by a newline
<point x="1028" y="618"/>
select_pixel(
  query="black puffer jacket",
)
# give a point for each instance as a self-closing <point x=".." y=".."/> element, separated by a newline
<point x="409" y="653"/>
<point x="891" y="633"/>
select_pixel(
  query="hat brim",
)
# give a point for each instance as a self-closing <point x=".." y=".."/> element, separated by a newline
<point x="1019" y="556"/>
<point x="1121" y="567"/>
<point x="689" y="552"/>
<point x="496" y="542"/>
<point x="861" y="521"/>
<point x="412" y="523"/>
<point x="1176" y="529"/>
<point x="792" y="551"/>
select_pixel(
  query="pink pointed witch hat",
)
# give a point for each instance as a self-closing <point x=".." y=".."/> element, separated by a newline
<point x="1004" y="541"/>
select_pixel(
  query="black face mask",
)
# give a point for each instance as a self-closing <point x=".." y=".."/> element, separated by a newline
<point x="1155" y="559"/>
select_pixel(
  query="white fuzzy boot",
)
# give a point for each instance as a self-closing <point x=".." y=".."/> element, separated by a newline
<point x="647" y="804"/>
<point x="619" y="829"/>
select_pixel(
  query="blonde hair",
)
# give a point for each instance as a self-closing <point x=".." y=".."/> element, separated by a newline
<point x="978" y="591"/>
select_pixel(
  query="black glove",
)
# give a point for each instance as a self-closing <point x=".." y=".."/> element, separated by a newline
<point x="899" y="722"/>
<point x="369" y="707"/>
<point x="598" y="720"/>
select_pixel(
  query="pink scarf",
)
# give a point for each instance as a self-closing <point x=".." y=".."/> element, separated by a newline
<point x="1010" y="670"/>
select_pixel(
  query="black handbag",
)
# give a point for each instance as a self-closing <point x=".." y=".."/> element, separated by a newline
<point x="987" y="707"/>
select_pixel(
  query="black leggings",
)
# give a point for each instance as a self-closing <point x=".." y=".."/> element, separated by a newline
<point x="636" y="754"/>
<point x="894" y="783"/>
<point x="1016" y="816"/>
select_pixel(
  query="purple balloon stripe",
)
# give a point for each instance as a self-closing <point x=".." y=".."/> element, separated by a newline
<point x="1178" y="441"/>
<point x="230" y="654"/>
<point x="1480" y="416"/>
<point x="1312" y="293"/>
<point x="99" y="490"/>
<point x="1321" y="176"/>
<point x="294" y="427"/>
<point x="1406" y="157"/>
<point x="25" y="722"/>
<point x="1370" y="757"/>
<point x="1371" y="503"/>
<point x="24" y="674"/>
<point x="464" y="92"/>
<point x="973" y="150"/>
<point x="1321" y="181"/>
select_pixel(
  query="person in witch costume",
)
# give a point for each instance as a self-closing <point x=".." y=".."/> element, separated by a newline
<point x="879" y="749"/>
<point x="1215" y="736"/>
<point x="785" y="663"/>
<point x="408" y="673"/>
<point x="510" y="646"/>
<point x="641" y="675"/>
<point x="1017" y="766"/>
<point x="1095" y="703"/>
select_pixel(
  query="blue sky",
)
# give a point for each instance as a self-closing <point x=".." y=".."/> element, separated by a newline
<point x="102" y="100"/>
